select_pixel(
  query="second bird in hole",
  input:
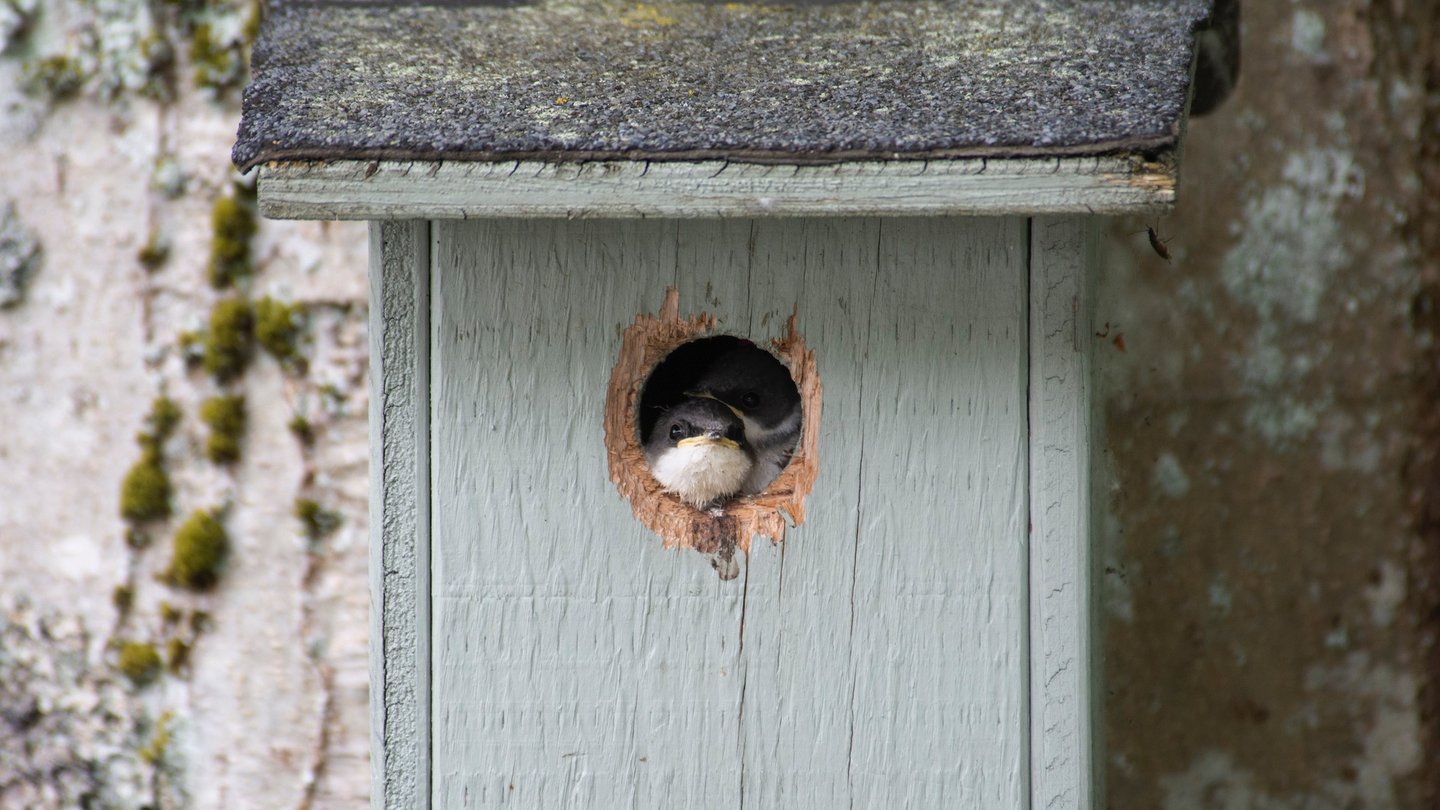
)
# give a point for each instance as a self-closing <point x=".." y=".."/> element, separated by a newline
<point x="732" y="431"/>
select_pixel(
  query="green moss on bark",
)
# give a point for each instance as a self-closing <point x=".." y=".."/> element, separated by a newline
<point x="201" y="546"/>
<point x="277" y="328"/>
<point x="139" y="662"/>
<point x="229" y="341"/>
<point x="316" y="519"/>
<point x="164" y="417"/>
<point x="302" y="429"/>
<point x="154" y="253"/>
<point x="177" y="656"/>
<point x="217" y="63"/>
<point x="145" y="492"/>
<point x="225" y="416"/>
<point x="232" y="226"/>
<point x="58" y="77"/>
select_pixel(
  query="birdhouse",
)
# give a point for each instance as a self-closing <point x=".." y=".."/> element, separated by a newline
<point x="578" y="207"/>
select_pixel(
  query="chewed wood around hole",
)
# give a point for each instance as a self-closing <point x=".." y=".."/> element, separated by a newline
<point x="721" y="532"/>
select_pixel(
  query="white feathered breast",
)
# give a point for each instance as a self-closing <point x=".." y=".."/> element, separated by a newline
<point x="699" y="474"/>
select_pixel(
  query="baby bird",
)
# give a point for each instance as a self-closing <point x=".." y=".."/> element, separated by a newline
<point x="697" y="450"/>
<point x="758" y="388"/>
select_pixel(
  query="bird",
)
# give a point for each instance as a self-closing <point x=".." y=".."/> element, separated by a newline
<point x="697" y="450"/>
<point x="758" y="389"/>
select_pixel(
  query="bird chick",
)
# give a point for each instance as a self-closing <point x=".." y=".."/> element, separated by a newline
<point x="759" y="390"/>
<point x="697" y="450"/>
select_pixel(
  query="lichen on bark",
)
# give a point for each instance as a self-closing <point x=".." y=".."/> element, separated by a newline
<point x="20" y="254"/>
<point x="68" y="725"/>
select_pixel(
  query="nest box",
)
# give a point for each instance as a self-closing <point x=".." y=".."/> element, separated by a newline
<point x="901" y="200"/>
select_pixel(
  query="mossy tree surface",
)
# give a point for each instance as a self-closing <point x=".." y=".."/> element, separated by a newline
<point x="145" y="492"/>
<point x="225" y="416"/>
<point x="92" y="69"/>
<point x="139" y="661"/>
<point x="154" y="253"/>
<point x="164" y="417"/>
<point x="57" y="76"/>
<point x="316" y="519"/>
<point x="230" y="339"/>
<point x="233" y="225"/>
<point x="277" y="328"/>
<point x="201" y="546"/>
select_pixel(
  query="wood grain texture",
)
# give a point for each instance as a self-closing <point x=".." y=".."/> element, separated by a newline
<point x="1064" y="673"/>
<point x="400" y="513"/>
<point x="712" y="188"/>
<point x="877" y="658"/>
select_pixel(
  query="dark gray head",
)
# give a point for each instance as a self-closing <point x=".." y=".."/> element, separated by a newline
<point x="695" y="421"/>
<point x="753" y="382"/>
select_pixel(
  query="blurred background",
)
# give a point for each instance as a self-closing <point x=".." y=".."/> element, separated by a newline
<point x="183" y="458"/>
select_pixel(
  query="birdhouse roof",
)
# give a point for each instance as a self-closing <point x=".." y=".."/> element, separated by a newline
<point x="802" y="82"/>
<point x="586" y="79"/>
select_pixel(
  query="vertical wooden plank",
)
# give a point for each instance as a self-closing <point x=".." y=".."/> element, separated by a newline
<point x="795" y="722"/>
<point x="1064" y="676"/>
<point x="399" y="514"/>
<point x="938" y="647"/>
<point x="884" y="644"/>
<point x="577" y="663"/>
<point x="879" y="655"/>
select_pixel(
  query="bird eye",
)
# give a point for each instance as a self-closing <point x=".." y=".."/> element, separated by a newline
<point x="676" y="432"/>
<point x="750" y="400"/>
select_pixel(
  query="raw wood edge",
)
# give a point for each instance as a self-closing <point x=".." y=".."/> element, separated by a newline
<point x="643" y="345"/>
<point x="452" y="189"/>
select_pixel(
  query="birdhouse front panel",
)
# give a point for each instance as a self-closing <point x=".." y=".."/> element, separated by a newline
<point x="903" y="616"/>
<point x="876" y="656"/>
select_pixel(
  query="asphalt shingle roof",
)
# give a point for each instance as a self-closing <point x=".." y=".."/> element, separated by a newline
<point x="790" y="82"/>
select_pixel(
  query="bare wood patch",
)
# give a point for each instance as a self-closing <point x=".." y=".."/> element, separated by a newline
<point x="643" y="345"/>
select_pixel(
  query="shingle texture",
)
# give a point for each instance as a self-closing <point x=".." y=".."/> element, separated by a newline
<point x="798" y="82"/>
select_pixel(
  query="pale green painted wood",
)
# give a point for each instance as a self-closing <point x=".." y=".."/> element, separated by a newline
<point x="574" y="658"/>
<point x="884" y="658"/>
<point x="877" y="647"/>
<point x="400" y="513"/>
<point x="1066" y="694"/>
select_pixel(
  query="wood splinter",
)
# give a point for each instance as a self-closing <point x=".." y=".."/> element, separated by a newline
<point x="719" y="532"/>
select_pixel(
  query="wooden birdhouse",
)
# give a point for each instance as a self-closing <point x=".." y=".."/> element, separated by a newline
<point x="899" y="199"/>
